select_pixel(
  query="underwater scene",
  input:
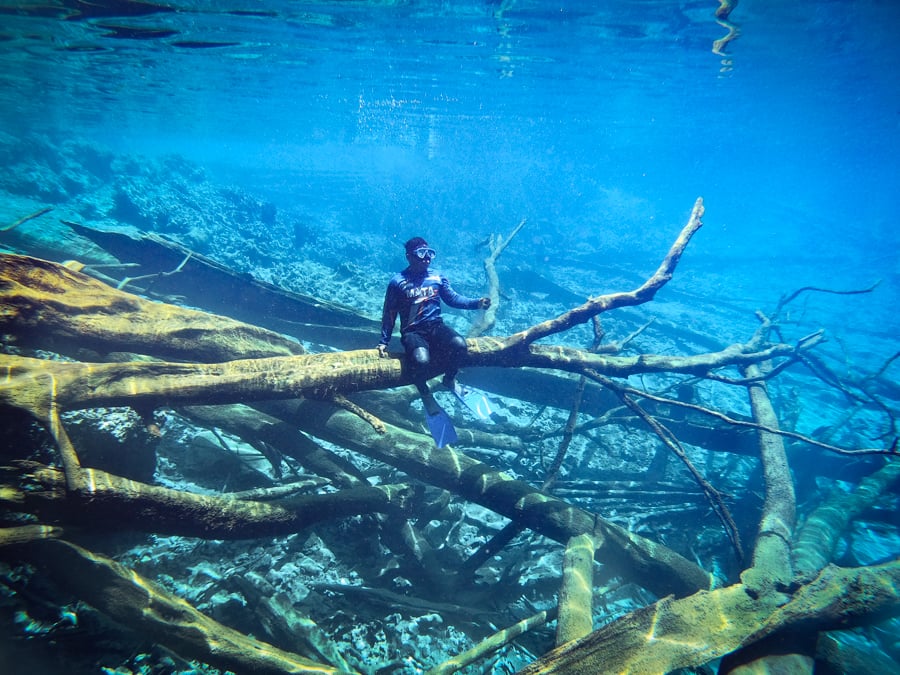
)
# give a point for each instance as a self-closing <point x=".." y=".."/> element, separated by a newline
<point x="495" y="337"/>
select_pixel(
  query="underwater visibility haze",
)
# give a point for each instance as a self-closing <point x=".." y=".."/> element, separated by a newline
<point x="235" y="182"/>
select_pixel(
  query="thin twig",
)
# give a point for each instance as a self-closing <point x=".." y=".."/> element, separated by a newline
<point x="615" y="386"/>
<point x="814" y="289"/>
<point x="128" y="280"/>
<point x="25" y="219"/>
<point x="712" y="495"/>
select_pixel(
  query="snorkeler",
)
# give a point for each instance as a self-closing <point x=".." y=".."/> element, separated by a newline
<point x="416" y="294"/>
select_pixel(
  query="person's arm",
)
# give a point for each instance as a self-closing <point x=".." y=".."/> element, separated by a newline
<point x="458" y="300"/>
<point x="388" y="319"/>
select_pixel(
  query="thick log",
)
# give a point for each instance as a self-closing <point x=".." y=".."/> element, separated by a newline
<point x="641" y="560"/>
<point x="43" y="387"/>
<point x="47" y="305"/>
<point x="103" y="501"/>
<point x="86" y="385"/>
<point x="817" y="539"/>
<point x="771" y="569"/>
<point x="575" y="618"/>
<point x="690" y="632"/>
<point x="203" y="282"/>
<point x="156" y="614"/>
<point x="255" y="427"/>
<point x="771" y="566"/>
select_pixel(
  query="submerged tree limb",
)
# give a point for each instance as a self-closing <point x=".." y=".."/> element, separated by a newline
<point x="47" y="305"/>
<point x="772" y="552"/>
<point x="25" y="219"/>
<point x="747" y="424"/>
<point x="713" y="496"/>
<point x="157" y="615"/>
<point x="575" y="616"/>
<point x="36" y="384"/>
<point x="790" y="297"/>
<point x="489" y="316"/>
<point x="604" y="303"/>
<point x="490" y="645"/>
<point x="102" y="500"/>
<point x="647" y="563"/>
<point x="42" y="305"/>
<point x="817" y="539"/>
<point x="672" y="634"/>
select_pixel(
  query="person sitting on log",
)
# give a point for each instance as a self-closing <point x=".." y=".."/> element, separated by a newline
<point x="416" y="294"/>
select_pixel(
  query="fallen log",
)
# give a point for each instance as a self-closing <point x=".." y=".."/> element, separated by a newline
<point x="102" y="500"/>
<point x="46" y="305"/>
<point x="203" y="282"/>
<point x="636" y="558"/>
<point x="138" y="603"/>
<point x="692" y="631"/>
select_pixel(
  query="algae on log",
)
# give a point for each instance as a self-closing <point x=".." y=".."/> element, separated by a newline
<point x="102" y="500"/>
<point x="686" y="632"/>
<point x="203" y="282"/>
<point x="156" y="614"/>
<point x="663" y="637"/>
<point x="817" y="539"/>
<point x="49" y="306"/>
<point x="641" y="560"/>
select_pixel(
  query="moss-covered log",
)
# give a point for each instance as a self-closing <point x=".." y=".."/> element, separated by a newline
<point x="575" y="618"/>
<point x="47" y="305"/>
<point x="203" y="282"/>
<point x="156" y="614"/>
<point x="636" y="558"/>
<point x="817" y="539"/>
<point x="43" y="305"/>
<point x="103" y="500"/>
<point x="771" y="565"/>
<point x="692" y="631"/>
<point x="36" y="382"/>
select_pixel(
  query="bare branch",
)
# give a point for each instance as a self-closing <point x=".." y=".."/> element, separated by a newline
<point x="604" y="303"/>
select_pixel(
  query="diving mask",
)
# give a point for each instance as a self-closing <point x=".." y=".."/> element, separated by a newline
<point x="424" y="252"/>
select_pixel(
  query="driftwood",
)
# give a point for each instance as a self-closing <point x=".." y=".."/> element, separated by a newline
<point x="203" y="282"/>
<point x="673" y="634"/>
<point x="44" y="305"/>
<point x="49" y="306"/>
<point x="769" y="600"/>
<point x="575" y="619"/>
<point x="816" y="541"/>
<point x="489" y="317"/>
<point x="103" y="498"/>
<point x="138" y="603"/>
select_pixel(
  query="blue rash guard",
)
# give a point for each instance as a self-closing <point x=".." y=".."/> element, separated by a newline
<point x="417" y="299"/>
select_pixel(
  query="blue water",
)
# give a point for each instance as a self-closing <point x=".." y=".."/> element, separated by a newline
<point x="438" y="116"/>
<point x="458" y="119"/>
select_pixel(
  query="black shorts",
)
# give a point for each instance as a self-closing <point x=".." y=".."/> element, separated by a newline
<point x="436" y="336"/>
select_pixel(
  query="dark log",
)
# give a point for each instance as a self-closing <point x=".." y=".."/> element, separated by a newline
<point x="156" y="614"/>
<point x="103" y="501"/>
<point x="203" y="282"/>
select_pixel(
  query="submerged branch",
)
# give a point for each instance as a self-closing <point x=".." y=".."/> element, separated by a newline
<point x="103" y="500"/>
<point x="604" y="303"/>
<point x="157" y="615"/>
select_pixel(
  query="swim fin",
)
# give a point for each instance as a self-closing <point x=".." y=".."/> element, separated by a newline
<point x="441" y="427"/>
<point x="476" y="401"/>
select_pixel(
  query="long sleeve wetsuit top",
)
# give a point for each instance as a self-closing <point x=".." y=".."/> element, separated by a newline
<point x="416" y="298"/>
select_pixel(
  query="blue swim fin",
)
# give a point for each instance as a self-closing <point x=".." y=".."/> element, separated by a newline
<point x="476" y="401"/>
<point x="441" y="427"/>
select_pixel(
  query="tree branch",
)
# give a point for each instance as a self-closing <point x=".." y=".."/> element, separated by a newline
<point x="604" y="303"/>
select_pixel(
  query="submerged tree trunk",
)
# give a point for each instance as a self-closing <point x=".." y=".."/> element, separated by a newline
<point x="215" y="360"/>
